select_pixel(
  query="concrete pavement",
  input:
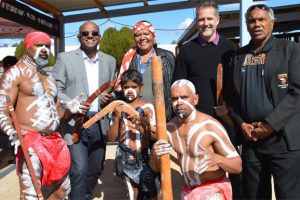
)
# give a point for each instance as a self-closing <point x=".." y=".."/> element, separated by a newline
<point x="109" y="187"/>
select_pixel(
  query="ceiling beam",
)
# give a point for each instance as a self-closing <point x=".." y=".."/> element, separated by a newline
<point x="145" y="3"/>
<point x="139" y="10"/>
<point x="100" y="6"/>
<point x="44" y="6"/>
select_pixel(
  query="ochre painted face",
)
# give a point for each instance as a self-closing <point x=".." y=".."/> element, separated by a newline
<point x="259" y="24"/>
<point x="183" y="101"/>
<point x="131" y="90"/>
<point x="40" y="53"/>
<point x="144" y="40"/>
<point x="207" y="23"/>
<point x="89" y="36"/>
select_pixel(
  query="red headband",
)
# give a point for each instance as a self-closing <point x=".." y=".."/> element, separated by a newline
<point x="35" y="37"/>
<point x="143" y="26"/>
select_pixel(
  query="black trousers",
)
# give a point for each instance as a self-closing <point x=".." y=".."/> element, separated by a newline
<point x="258" y="167"/>
<point x="87" y="162"/>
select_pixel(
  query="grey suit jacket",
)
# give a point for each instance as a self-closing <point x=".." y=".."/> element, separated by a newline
<point x="71" y="80"/>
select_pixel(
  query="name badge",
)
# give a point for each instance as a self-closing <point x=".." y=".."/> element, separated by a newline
<point x="282" y="80"/>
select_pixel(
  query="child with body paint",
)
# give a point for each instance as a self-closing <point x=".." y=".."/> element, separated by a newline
<point x="202" y="145"/>
<point x="133" y="152"/>
<point x="33" y="95"/>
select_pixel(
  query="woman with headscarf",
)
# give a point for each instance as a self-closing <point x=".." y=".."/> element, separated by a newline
<point x="139" y="58"/>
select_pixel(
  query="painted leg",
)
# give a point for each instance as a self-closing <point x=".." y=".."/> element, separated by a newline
<point x="132" y="191"/>
<point x="64" y="188"/>
<point x="27" y="190"/>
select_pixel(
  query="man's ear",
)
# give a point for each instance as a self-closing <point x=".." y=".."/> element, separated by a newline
<point x="196" y="99"/>
<point x="142" y="87"/>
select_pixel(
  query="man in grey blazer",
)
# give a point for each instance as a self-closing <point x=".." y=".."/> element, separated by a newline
<point x="80" y="73"/>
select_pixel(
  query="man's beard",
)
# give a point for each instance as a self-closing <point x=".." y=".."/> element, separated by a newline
<point x="41" y="62"/>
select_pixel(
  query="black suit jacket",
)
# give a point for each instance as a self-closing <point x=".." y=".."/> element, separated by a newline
<point x="282" y="58"/>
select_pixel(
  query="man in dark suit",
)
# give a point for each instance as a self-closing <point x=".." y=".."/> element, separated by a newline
<point x="263" y="102"/>
<point x="77" y="72"/>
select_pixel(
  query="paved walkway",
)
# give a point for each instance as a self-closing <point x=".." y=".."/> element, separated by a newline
<point x="109" y="187"/>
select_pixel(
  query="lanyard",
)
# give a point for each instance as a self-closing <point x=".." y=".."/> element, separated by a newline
<point x="145" y="66"/>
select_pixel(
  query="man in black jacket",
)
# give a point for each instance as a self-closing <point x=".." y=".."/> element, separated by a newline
<point x="202" y="61"/>
<point x="264" y="100"/>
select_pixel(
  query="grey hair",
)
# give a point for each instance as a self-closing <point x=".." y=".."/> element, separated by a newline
<point x="270" y="11"/>
<point x="184" y="82"/>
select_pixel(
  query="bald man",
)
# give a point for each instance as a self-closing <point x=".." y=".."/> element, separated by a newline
<point x="202" y="145"/>
<point x="33" y="94"/>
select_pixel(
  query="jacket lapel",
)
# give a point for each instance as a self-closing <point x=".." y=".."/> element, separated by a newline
<point x="101" y="72"/>
<point x="270" y="65"/>
<point x="237" y="72"/>
<point x="82" y="71"/>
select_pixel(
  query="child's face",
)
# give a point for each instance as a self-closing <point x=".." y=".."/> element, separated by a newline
<point x="131" y="90"/>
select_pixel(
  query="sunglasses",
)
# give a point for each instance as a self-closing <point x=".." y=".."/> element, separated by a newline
<point x="260" y="6"/>
<point x="87" y="33"/>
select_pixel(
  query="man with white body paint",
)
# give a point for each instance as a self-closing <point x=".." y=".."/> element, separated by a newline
<point x="203" y="147"/>
<point x="134" y="136"/>
<point x="33" y="95"/>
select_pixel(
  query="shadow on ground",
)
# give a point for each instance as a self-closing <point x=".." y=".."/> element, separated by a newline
<point x="110" y="186"/>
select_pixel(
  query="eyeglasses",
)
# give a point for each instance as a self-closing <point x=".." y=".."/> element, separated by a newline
<point x="260" y="6"/>
<point x="87" y="33"/>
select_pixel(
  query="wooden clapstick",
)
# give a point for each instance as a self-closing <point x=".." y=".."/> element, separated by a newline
<point x="109" y="108"/>
<point x="24" y="148"/>
<point x="159" y="104"/>
<point x="219" y="84"/>
<point x="219" y="96"/>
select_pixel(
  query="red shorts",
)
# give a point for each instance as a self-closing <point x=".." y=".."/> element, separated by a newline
<point x="53" y="153"/>
<point x="221" y="185"/>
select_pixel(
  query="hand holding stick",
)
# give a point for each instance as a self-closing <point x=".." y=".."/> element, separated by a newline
<point x="219" y="109"/>
<point x="109" y="86"/>
<point x="109" y="108"/>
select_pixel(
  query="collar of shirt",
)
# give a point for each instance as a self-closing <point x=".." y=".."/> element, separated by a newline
<point x="86" y="58"/>
<point x="268" y="46"/>
<point x="203" y="42"/>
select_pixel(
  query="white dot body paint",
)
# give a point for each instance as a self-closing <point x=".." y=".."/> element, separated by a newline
<point x="126" y="91"/>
